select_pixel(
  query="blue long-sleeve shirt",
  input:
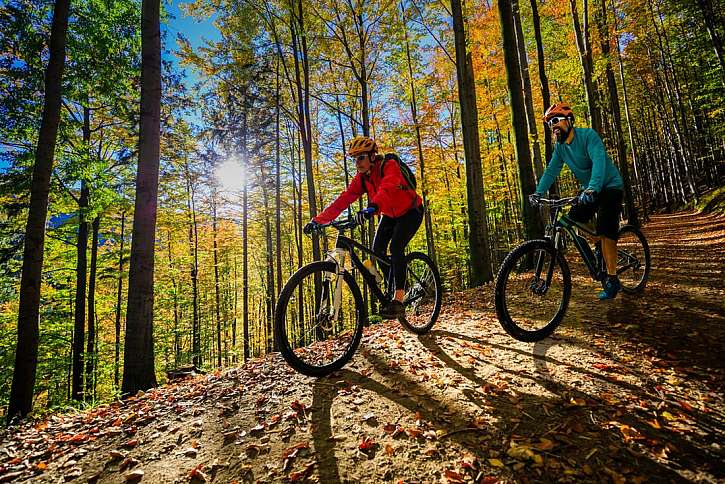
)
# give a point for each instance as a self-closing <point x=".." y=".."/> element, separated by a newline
<point x="587" y="158"/>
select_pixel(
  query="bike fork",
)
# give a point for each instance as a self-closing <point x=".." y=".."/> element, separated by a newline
<point x="540" y="259"/>
<point x="339" y="258"/>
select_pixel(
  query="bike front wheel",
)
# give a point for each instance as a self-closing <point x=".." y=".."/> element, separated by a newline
<point x="633" y="259"/>
<point x="533" y="288"/>
<point x="318" y="321"/>
<point x="423" y="293"/>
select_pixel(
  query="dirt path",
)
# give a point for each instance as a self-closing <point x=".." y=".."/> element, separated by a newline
<point x="629" y="390"/>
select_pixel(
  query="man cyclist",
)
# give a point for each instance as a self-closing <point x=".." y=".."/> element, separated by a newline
<point x="583" y="152"/>
<point x="388" y="195"/>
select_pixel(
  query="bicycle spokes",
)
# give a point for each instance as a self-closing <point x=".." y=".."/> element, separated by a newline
<point x="422" y="298"/>
<point x="534" y="288"/>
<point x="632" y="260"/>
<point x="320" y="321"/>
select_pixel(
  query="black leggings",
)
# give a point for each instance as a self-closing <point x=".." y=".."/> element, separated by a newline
<point x="397" y="232"/>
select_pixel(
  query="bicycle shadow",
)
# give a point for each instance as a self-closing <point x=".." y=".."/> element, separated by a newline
<point x="503" y="422"/>
<point x="639" y="420"/>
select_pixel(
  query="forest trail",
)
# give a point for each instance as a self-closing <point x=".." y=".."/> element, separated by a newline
<point x="627" y="390"/>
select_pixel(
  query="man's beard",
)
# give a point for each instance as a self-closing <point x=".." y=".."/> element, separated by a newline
<point x="561" y="135"/>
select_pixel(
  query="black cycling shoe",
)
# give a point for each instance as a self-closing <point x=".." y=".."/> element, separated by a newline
<point x="394" y="310"/>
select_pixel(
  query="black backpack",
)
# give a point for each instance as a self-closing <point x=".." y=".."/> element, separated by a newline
<point x="405" y="170"/>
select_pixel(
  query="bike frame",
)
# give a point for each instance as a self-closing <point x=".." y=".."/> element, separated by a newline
<point x="343" y="249"/>
<point x="555" y="230"/>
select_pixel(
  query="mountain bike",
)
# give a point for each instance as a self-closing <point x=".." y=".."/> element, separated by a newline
<point x="319" y="318"/>
<point x="533" y="286"/>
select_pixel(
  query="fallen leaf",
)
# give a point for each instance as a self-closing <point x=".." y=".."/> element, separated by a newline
<point x="453" y="476"/>
<point x="196" y="474"/>
<point x="190" y="452"/>
<point x="520" y="452"/>
<point x="298" y="476"/>
<point x="128" y="462"/>
<point x="117" y="454"/>
<point x="298" y="406"/>
<point x="366" y="444"/>
<point x="686" y="405"/>
<point x="134" y="476"/>
<point x="545" y="444"/>
<point x="291" y="453"/>
<point x="495" y="462"/>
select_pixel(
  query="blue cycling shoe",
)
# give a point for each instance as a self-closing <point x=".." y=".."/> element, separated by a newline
<point x="611" y="287"/>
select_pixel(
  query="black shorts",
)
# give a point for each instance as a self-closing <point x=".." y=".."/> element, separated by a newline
<point x="607" y="206"/>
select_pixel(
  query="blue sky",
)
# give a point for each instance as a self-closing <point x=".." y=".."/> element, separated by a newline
<point x="196" y="32"/>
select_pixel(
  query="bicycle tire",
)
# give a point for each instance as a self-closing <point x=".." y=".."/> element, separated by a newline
<point x="502" y="311"/>
<point x="423" y="329"/>
<point x="280" y="328"/>
<point x="647" y="259"/>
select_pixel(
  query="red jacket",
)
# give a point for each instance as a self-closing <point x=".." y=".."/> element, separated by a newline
<point x="388" y="192"/>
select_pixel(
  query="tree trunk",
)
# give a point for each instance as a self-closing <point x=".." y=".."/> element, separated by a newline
<point x="616" y="115"/>
<point x="543" y="79"/>
<point x="478" y="233"/>
<point x="174" y="285"/>
<point x="271" y="344"/>
<point x="80" y="306"/>
<point x="302" y="77"/>
<point x="711" y="22"/>
<point x="194" y="270"/>
<point x="234" y="318"/>
<point x="91" y="341"/>
<point x="119" y="294"/>
<point x="533" y="228"/>
<point x="138" y="359"/>
<point x="26" y="350"/>
<point x="278" y="186"/>
<point x="245" y="244"/>
<point x="526" y="84"/>
<point x="587" y="68"/>
<point x="216" y="283"/>
<point x="419" y="143"/>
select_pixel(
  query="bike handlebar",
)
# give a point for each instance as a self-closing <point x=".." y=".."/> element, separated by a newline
<point x="556" y="202"/>
<point x="337" y="224"/>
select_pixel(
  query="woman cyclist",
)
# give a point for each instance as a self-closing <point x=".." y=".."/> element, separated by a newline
<point x="389" y="195"/>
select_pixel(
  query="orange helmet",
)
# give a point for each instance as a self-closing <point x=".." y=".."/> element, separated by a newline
<point x="559" y="109"/>
<point x="360" y="145"/>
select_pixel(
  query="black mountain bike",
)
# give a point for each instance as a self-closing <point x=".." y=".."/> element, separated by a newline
<point x="319" y="318"/>
<point x="533" y="286"/>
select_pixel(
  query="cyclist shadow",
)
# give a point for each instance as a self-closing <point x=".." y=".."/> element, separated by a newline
<point x="709" y="423"/>
<point x="399" y="388"/>
<point x="639" y="419"/>
<point x="441" y="414"/>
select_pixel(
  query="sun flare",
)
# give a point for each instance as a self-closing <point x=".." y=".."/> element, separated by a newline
<point x="231" y="175"/>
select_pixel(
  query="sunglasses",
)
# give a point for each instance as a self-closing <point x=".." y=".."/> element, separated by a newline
<point x="555" y="120"/>
<point x="360" y="157"/>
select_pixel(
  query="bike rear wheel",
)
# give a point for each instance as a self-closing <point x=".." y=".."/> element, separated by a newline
<point x="533" y="288"/>
<point x="423" y="293"/>
<point x="309" y="336"/>
<point x="633" y="259"/>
